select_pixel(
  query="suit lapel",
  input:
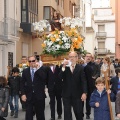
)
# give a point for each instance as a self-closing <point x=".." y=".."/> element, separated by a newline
<point x="29" y="74"/>
<point x="76" y="69"/>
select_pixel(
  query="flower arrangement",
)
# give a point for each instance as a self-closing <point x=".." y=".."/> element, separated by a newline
<point x="41" y="26"/>
<point x="22" y="67"/>
<point x="61" y="42"/>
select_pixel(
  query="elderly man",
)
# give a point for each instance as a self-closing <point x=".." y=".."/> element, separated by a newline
<point x="74" y="87"/>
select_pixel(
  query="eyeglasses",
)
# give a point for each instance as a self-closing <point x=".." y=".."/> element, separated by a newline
<point x="31" y="60"/>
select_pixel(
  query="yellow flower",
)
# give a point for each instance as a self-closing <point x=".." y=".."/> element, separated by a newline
<point x="20" y="65"/>
<point x="52" y="39"/>
<point x="43" y="45"/>
<point x="60" y="42"/>
<point x="27" y="63"/>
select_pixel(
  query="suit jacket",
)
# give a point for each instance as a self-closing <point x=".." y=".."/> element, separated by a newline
<point x="54" y="82"/>
<point x="114" y="84"/>
<point x="37" y="86"/>
<point x="74" y="84"/>
<point x="91" y="70"/>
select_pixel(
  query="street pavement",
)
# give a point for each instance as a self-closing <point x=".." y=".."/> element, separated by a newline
<point x="21" y="115"/>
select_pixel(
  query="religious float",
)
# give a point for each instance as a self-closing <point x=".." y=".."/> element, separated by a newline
<point x="64" y="36"/>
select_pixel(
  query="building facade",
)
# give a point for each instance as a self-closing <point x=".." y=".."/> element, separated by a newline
<point x="14" y="42"/>
<point x="104" y="31"/>
<point x="115" y="4"/>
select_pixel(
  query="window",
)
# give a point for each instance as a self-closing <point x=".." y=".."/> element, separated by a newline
<point x="23" y="16"/>
<point x="101" y="47"/>
<point x="24" y="4"/>
<point x="46" y="13"/>
<point x="101" y="28"/>
<point x="29" y="14"/>
<point x="101" y="44"/>
<point x="29" y="17"/>
<point x="25" y="49"/>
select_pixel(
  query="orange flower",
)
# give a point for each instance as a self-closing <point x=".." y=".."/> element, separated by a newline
<point x="79" y="39"/>
<point x="52" y="39"/>
<point x="43" y="45"/>
<point x="20" y="65"/>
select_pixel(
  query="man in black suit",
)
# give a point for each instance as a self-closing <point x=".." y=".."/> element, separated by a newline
<point x="33" y="89"/>
<point x="54" y="90"/>
<point x="116" y="63"/>
<point x="92" y="72"/>
<point x="74" y="87"/>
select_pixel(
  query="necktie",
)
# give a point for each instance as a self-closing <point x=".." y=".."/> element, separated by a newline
<point x="32" y="74"/>
<point x="73" y="69"/>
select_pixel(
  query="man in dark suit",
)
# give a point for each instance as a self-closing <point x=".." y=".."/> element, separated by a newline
<point x="116" y="63"/>
<point x="92" y="72"/>
<point x="33" y="89"/>
<point x="74" y="87"/>
<point x="54" y="90"/>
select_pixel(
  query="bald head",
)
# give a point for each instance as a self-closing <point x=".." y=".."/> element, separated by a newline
<point x="73" y="57"/>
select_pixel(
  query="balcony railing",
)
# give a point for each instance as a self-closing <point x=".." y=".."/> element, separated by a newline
<point x="101" y="34"/>
<point x="102" y="51"/>
<point x="9" y="26"/>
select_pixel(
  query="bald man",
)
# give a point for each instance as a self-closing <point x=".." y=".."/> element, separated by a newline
<point x="74" y="87"/>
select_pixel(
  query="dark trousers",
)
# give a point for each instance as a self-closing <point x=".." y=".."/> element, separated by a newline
<point x="55" y="94"/>
<point x="76" y="103"/>
<point x="22" y="103"/>
<point x="38" y="105"/>
<point x="1" y="118"/>
<point x="88" y="108"/>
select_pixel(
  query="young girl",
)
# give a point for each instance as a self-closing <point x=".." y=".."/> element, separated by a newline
<point x="99" y="100"/>
<point x="4" y="98"/>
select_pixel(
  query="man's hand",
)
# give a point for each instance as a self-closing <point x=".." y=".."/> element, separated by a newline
<point x="3" y="109"/>
<point x="24" y="98"/>
<point x="83" y="97"/>
<point x="97" y="104"/>
<point x="65" y="62"/>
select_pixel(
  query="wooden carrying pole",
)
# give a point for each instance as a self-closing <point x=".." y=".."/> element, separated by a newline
<point x="108" y="95"/>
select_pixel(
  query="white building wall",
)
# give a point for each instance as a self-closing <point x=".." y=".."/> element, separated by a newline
<point x="110" y="29"/>
<point x="1" y="9"/>
<point x="13" y="11"/>
<point x="88" y="13"/>
<point x="100" y="3"/>
<point x="88" y="42"/>
<point x="110" y="44"/>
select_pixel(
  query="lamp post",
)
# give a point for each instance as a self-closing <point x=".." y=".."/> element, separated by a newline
<point x="95" y="52"/>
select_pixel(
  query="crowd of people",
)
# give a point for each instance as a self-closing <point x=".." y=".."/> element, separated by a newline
<point x="73" y="84"/>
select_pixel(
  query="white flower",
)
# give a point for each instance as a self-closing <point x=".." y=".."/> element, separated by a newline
<point x="65" y="39"/>
<point x="49" y="43"/>
<point x="58" y="39"/>
<point x="67" y="45"/>
<point x="57" y="47"/>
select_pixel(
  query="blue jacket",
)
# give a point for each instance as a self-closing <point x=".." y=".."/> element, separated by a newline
<point x="102" y="112"/>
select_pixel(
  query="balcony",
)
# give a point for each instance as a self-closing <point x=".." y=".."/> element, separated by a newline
<point x="9" y="29"/>
<point x="102" y="51"/>
<point x="101" y="34"/>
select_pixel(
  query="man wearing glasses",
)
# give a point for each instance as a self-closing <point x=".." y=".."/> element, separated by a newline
<point x="32" y="89"/>
<point x="74" y="87"/>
